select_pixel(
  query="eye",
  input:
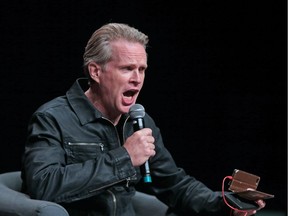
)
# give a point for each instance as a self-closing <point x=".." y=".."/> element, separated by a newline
<point x="142" y="69"/>
<point x="129" y="68"/>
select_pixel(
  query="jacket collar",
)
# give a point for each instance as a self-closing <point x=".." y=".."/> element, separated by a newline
<point x="78" y="101"/>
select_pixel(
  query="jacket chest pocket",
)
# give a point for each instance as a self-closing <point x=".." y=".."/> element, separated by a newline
<point x="83" y="151"/>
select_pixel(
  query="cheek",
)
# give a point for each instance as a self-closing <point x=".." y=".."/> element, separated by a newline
<point x="114" y="84"/>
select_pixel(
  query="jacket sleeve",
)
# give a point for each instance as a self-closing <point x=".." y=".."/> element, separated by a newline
<point x="47" y="176"/>
<point x="177" y="189"/>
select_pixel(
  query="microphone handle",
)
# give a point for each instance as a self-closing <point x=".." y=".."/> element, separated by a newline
<point x="145" y="169"/>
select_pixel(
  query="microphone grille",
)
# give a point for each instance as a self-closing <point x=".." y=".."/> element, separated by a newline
<point x="136" y="111"/>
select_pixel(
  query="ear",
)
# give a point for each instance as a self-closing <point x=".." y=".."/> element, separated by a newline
<point x="94" y="71"/>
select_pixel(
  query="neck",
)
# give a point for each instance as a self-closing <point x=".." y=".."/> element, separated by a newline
<point x="92" y="97"/>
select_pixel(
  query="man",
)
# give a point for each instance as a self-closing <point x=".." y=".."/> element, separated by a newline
<point x="83" y="153"/>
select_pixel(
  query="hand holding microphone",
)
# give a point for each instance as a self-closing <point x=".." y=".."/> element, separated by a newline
<point x="140" y="145"/>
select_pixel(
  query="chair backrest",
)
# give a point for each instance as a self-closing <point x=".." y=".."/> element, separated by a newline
<point x="15" y="203"/>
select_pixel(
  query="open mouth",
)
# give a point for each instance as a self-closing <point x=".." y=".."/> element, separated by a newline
<point x="128" y="96"/>
<point x="130" y="93"/>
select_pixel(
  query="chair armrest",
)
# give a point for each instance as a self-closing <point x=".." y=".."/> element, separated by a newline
<point x="14" y="203"/>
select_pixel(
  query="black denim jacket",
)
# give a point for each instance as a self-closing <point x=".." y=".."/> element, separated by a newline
<point x="74" y="156"/>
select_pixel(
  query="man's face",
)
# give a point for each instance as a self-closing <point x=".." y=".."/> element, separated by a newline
<point x="122" y="78"/>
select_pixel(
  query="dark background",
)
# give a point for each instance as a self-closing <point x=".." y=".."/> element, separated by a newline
<point x="216" y="82"/>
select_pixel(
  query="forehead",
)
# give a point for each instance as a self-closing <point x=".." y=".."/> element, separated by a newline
<point x="125" y="50"/>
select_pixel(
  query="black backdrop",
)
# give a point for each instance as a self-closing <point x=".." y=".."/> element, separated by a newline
<point x="216" y="83"/>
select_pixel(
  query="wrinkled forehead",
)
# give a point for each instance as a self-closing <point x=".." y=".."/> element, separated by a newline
<point x="122" y="49"/>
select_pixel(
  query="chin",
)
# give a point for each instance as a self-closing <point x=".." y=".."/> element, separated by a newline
<point x="125" y="109"/>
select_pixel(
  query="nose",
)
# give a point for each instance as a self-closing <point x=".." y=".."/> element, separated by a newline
<point x="136" y="77"/>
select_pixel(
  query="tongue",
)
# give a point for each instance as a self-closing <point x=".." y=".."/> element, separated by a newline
<point x="128" y="100"/>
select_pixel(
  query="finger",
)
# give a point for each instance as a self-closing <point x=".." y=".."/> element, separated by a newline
<point x="153" y="152"/>
<point x="152" y="146"/>
<point x="147" y="131"/>
<point x="261" y="203"/>
<point x="252" y="213"/>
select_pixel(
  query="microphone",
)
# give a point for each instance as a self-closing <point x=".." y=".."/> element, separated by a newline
<point x="137" y="113"/>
